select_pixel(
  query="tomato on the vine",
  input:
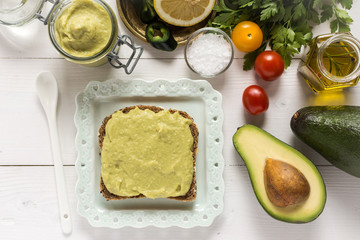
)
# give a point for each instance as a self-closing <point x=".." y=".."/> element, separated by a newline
<point x="269" y="65"/>
<point x="247" y="36"/>
<point x="255" y="99"/>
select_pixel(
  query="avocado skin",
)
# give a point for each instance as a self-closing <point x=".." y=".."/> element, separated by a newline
<point x="332" y="131"/>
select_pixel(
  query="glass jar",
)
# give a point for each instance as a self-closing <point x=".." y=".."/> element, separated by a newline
<point x="82" y="28"/>
<point x="21" y="12"/>
<point x="331" y="62"/>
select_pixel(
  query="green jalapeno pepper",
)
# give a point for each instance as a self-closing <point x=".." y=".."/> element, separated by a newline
<point x="160" y="37"/>
<point x="145" y="10"/>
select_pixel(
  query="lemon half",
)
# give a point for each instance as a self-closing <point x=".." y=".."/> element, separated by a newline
<point x="183" y="13"/>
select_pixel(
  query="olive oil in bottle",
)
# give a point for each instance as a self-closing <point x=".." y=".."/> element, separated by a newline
<point x="332" y="62"/>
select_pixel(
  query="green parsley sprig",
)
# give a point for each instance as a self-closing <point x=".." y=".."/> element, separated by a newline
<point x="286" y="24"/>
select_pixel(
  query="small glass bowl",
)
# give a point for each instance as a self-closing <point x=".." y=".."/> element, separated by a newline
<point x="209" y="52"/>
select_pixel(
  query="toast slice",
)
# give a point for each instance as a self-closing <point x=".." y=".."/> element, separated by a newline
<point x="191" y="194"/>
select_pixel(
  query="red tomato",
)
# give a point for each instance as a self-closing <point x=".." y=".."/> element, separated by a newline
<point x="255" y="99"/>
<point x="269" y="65"/>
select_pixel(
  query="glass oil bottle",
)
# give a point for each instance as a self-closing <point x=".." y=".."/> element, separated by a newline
<point x="331" y="62"/>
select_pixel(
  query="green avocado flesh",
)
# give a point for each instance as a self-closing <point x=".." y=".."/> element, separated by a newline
<point x="256" y="147"/>
<point x="334" y="132"/>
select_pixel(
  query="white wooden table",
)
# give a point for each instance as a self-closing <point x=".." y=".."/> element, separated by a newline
<point x="28" y="199"/>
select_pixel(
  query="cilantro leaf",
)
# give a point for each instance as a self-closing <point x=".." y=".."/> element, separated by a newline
<point x="347" y="4"/>
<point x="288" y="13"/>
<point x="270" y="10"/>
<point x="280" y="14"/>
<point x="247" y="3"/>
<point x="290" y="34"/>
<point x="313" y="16"/>
<point x="222" y="7"/>
<point x="343" y="15"/>
<point x="327" y="12"/>
<point x="225" y="18"/>
<point x="278" y="34"/>
<point x="334" y="25"/>
<point x="299" y="11"/>
<point x="316" y="3"/>
<point x="343" y="27"/>
<point x="249" y="58"/>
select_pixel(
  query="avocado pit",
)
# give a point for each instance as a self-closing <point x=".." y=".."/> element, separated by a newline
<point x="285" y="185"/>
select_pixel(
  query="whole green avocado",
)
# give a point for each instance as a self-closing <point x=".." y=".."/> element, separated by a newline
<point x="333" y="131"/>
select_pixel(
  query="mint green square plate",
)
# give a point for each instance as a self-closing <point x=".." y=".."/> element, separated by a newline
<point x="199" y="100"/>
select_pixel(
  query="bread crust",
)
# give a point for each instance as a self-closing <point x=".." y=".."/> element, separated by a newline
<point x="191" y="194"/>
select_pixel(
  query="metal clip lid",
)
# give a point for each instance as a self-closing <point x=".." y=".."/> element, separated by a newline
<point x="46" y="19"/>
<point x="113" y="57"/>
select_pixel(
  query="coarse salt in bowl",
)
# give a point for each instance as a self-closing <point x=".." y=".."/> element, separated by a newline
<point x="209" y="52"/>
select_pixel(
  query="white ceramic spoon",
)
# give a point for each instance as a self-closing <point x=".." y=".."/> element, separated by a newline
<point x="47" y="90"/>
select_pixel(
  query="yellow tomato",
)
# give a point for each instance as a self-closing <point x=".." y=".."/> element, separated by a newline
<point x="247" y="36"/>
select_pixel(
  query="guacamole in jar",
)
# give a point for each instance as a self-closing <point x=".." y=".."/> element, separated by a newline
<point x="83" y="29"/>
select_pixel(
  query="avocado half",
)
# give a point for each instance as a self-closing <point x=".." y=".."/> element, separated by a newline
<point x="255" y="146"/>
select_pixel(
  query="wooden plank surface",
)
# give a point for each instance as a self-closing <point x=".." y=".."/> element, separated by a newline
<point x="24" y="112"/>
<point x="29" y="210"/>
<point x="28" y="203"/>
